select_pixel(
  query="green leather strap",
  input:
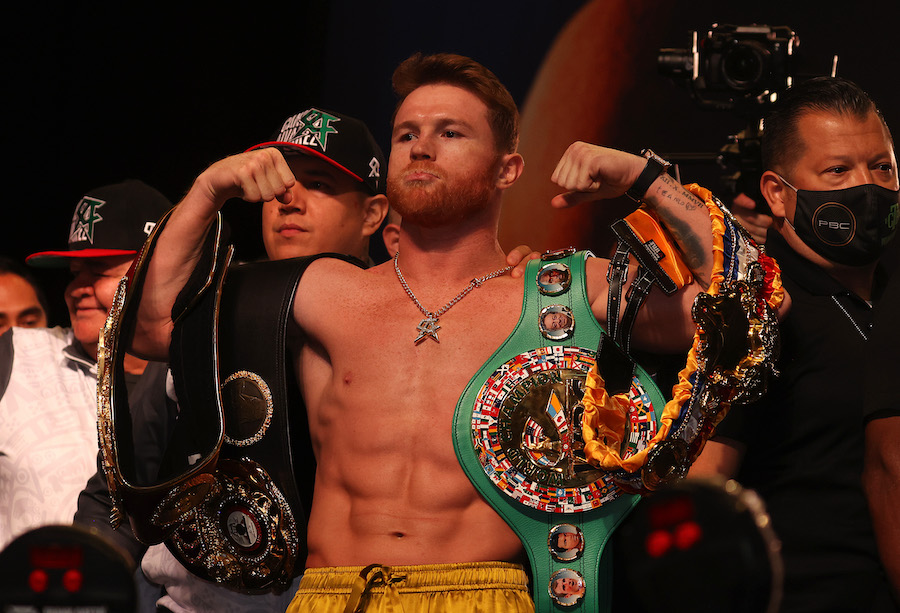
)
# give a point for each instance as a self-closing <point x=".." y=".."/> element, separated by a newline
<point x="517" y="433"/>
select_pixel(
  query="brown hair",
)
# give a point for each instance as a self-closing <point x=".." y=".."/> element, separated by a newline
<point x="781" y="145"/>
<point x="9" y="266"/>
<point x="460" y="71"/>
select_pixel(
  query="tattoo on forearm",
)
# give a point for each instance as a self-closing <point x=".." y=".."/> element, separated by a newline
<point x="694" y="247"/>
<point x="675" y="193"/>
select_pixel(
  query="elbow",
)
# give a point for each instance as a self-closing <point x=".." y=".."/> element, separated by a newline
<point x="151" y="342"/>
<point x="882" y="454"/>
<point x="720" y="458"/>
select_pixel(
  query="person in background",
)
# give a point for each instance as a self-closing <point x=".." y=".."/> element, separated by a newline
<point x="22" y="300"/>
<point x="881" y="473"/>
<point x="48" y="397"/>
<point x="831" y="182"/>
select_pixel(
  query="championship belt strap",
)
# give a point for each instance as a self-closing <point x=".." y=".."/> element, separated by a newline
<point x="659" y="263"/>
<point x="129" y="495"/>
<point x="228" y="502"/>
<point x="517" y="435"/>
<point x="249" y="532"/>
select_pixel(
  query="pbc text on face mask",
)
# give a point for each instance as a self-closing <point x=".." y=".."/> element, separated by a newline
<point x="835" y="225"/>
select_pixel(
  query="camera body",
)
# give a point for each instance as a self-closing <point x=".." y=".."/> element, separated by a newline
<point x="734" y="67"/>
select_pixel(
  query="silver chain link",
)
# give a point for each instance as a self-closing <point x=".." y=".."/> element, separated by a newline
<point x="472" y="285"/>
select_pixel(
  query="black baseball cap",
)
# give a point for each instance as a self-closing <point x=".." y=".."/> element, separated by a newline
<point x="110" y="220"/>
<point x="343" y="141"/>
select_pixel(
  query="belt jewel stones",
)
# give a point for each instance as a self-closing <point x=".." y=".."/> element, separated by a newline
<point x="249" y="408"/>
<point x="242" y="534"/>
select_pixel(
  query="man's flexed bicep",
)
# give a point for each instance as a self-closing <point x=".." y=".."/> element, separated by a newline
<point x="591" y="173"/>
<point x="259" y="175"/>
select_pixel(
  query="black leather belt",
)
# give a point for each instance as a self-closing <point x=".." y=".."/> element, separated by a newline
<point x="236" y="479"/>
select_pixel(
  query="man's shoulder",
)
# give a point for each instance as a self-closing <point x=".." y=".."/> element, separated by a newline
<point x="328" y="268"/>
<point x="338" y="262"/>
<point x="328" y="261"/>
<point x="331" y="269"/>
<point x="56" y="337"/>
<point x="330" y="287"/>
<point x="29" y="342"/>
<point x="801" y="275"/>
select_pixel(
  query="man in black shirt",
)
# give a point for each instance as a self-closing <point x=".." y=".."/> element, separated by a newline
<point x="881" y="475"/>
<point x="831" y="182"/>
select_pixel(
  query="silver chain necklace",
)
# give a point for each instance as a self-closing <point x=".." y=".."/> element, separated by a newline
<point x="850" y="317"/>
<point x="429" y="327"/>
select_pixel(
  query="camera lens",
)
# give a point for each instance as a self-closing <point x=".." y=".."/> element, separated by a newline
<point x="744" y="65"/>
<point x="675" y="62"/>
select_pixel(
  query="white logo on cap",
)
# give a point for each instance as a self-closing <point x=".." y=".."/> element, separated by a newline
<point x="376" y="168"/>
<point x="309" y="128"/>
<point x="85" y="219"/>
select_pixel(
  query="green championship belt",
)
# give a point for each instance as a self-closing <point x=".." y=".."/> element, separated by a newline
<point x="560" y="439"/>
<point x="517" y="434"/>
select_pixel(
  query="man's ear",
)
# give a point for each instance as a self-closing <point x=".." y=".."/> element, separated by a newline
<point x="511" y="167"/>
<point x="391" y="237"/>
<point x="375" y="208"/>
<point x="775" y="192"/>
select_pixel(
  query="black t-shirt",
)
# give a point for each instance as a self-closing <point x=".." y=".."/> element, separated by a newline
<point x="882" y="387"/>
<point x="154" y="412"/>
<point x="804" y="444"/>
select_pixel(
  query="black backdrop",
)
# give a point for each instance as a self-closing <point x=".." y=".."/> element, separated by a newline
<point x="95" y="95"/>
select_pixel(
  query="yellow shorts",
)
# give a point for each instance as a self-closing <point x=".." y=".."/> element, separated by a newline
<point x="434" y="588"/>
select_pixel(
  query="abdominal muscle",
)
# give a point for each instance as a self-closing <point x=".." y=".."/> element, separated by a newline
<point x="389" y="488"/>
<point x="433" y="518"/>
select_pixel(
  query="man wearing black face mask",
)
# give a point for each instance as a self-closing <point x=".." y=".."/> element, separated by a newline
<point x="831" y="182"/>
<point x="850" y="227"/>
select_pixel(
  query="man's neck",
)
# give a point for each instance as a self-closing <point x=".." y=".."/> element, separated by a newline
<point x="428" y="252"/>
<point x="858" y="279"/>
<point x="133" y="365"/>
<point x="362" y="254"/>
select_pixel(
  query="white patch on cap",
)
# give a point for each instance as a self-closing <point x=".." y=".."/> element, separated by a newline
<point x="376" y="168"/>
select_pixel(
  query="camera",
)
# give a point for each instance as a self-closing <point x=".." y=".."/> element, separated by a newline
<point x="742" y="69"/>
<point x="734" y="67"/>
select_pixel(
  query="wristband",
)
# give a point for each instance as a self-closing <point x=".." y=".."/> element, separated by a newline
<point x="655" y="167"/>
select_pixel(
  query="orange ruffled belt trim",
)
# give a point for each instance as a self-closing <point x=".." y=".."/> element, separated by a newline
<point x="605" y="417"/>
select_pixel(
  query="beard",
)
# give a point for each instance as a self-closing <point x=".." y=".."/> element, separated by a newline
<point x="440" y="203"/>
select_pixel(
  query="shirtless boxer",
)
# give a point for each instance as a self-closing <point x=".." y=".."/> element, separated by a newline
<point x="389" y="489"/>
